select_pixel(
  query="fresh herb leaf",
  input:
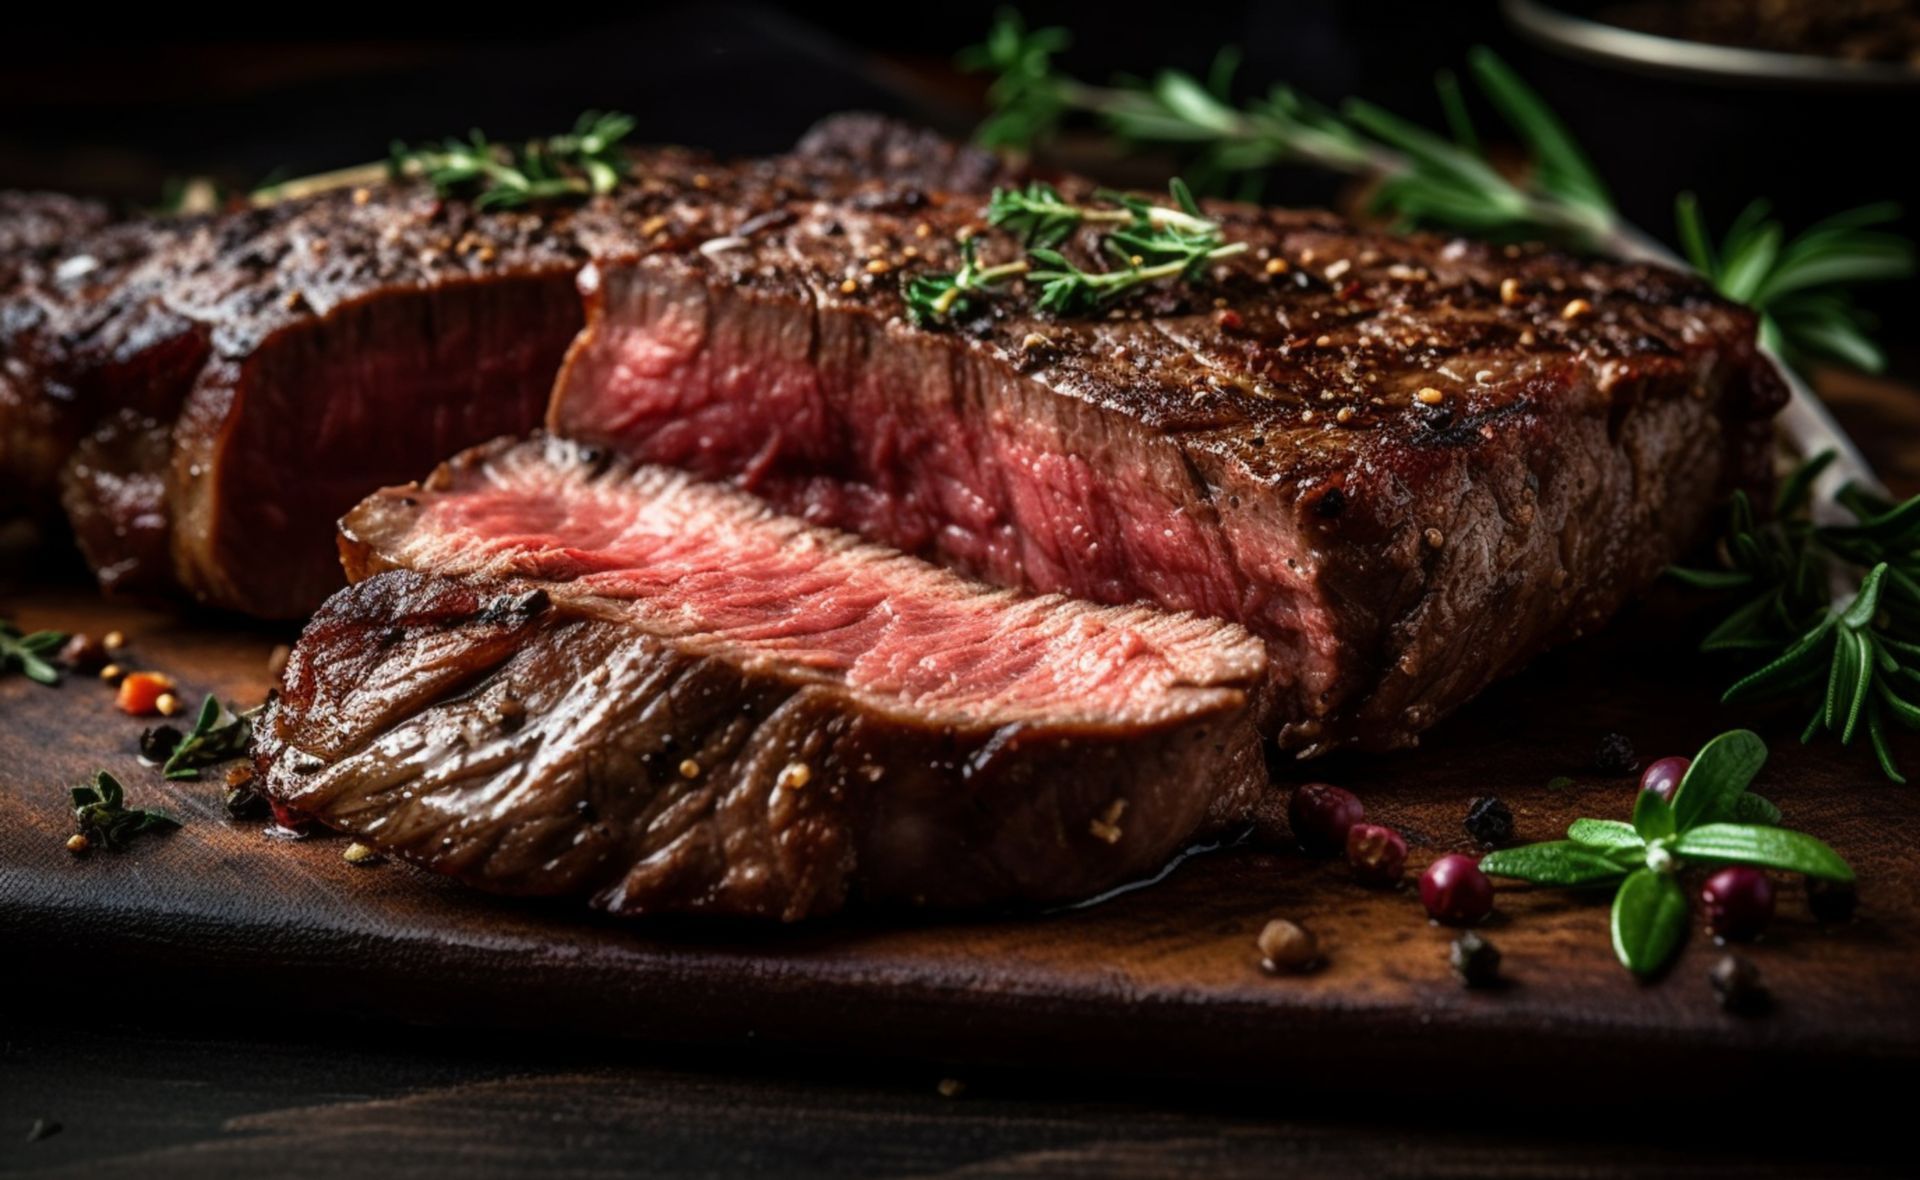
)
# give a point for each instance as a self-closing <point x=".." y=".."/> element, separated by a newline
<point x="587" y="161"/>
<point x="31" y="654"/>
<point x="1649" y="920"/>
<point x="211" y="740"/>
<point x="1718" y="776"/>
<point x="1604" y="835"/>
<point x="1650" y="909"/>
<point x="1769" y="847"/>
<point x="100" y="809"/>
<point x="1559" y="862"/>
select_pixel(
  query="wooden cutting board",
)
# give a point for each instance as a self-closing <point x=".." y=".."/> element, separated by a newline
<point x="221" y="916"/>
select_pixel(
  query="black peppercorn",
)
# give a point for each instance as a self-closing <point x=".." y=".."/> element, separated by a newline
<point x="1489" y="821"/>
<point x="244" y="803"/>
<point x="1475" y="960"/>
<point x="158" y="743"/>
<point x="1832" y="902"/>
<point x="1614" y="755"/>
<point x="1737" y="983"/>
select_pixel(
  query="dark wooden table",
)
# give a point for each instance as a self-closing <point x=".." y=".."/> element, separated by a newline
<point x="1133" y="1039"/>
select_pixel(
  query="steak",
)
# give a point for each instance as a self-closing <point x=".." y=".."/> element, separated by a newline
<point x="1406" y="463"/>
<point x="209" y="394"/>
<point x="563" y="675"/>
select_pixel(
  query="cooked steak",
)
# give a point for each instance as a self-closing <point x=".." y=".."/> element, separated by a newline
<point x="1408" y="464"/>
<point x="284" y="361"/>
<point x="579" y="678"/>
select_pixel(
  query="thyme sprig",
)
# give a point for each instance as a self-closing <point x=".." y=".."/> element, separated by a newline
<point x="101" y="811"/>
<point x="1151" y="243"/>
<point x="1831" y="610"/>
<point x="586" y="161"/>
<point x="30" y="654"/>
<point x="1712" y="819"/>
<point x="217" y="736"/>
<point x="1426" y="178"/>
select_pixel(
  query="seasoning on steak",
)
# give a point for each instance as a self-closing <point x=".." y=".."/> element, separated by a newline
<point x="282" y="362"/>
<point x="1408" y="464"/>
<point x="567" y="676"/>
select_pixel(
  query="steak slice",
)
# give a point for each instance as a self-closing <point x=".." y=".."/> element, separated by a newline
<point x="559" y="675"/>
<point x="292" y="358"/>
<point x="1408" y="464"/>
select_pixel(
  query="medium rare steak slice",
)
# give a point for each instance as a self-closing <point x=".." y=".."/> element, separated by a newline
<point x="1408" y="464"/>
<point x="564" y="676"/>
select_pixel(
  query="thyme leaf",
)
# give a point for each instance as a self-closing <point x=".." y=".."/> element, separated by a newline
<point x="211" y="740"/>
<point x="101" y="811"/>
<point x="584" y="162"/>
<point x="30" y="654"/>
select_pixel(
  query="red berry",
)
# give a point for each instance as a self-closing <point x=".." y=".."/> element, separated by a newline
<point x="1321" y="814"/>
<point x="1739" y="902"/>
<point x="1455" y="891"/>
<point x="1663" y="777"/>
<point x="1378" y="855"/>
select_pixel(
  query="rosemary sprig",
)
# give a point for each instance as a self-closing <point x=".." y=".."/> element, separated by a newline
<point x="1426" y="178"/>
<point x="1799" y="284"/>
<point x="586" y="161"/>
<point x="216" y="736"/>
<point x="101" y="811"/>
<point x="1712" y="819"/>
<point x="1832" y="610"/>
<point x="1152" y="242"/>
<point x="30" y="653"/>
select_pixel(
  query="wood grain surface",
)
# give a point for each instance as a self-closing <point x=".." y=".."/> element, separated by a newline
<point x="1160" y="980"/>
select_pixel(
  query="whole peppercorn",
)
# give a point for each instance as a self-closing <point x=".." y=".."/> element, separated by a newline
<point x="1663" y="776"/>
<point x="1489" y="821"/>
<point x="1475" y="960"/>
<point x="1614" y="755"/>
<point x="1378" y="855"/>
<point x="1737" y="983"/>
<point x="1739" y="902"/>
<point x="1455" y="891"/>
<point x="158" y="743"/>
<point x="1832" y="902"/>
<point x="83" y="653"/>
<point x="1287" y="946"/>
<point x="1320" y="815"/>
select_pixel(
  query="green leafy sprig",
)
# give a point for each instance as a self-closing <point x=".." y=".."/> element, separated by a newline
<point x="30" y="654"/>
<point x="1799" y="284"/>
<point x="217" y="736"/>
<point x="1150" y="243"/>
<point x="1827" y="610"/>
<point x="587" y="161"/>
<point x="1427" y="178"/>
<point x="1712" y="819"/>
<point x="101" y="810"/>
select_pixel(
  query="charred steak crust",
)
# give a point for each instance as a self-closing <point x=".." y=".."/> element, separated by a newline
<point x="300" y="354"/>
<point x="627" y="711"/>
<point x="1258" y="447"/>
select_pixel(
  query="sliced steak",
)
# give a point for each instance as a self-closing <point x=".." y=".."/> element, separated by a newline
<point x="564" y="676"/>
<point x="1408" y="464"/>
<point x="300" y="355"/>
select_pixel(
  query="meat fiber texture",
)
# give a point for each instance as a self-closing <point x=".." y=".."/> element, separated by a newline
<point x="560" y="675"/>
<point x="1408" y="464"/>
<point x="206" y="395"/>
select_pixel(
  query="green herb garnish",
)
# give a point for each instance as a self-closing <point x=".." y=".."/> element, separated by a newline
<point x="103" y="816"/>
<point x="1713" y="819"/>
<point x="1828" y="610"/>
<point x="211" y="740"/>
<point x="1149" y="243"/>
<point x="30" y="653"/>
<point x="1427" y="178"/>
<point x="587" y="161"/>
